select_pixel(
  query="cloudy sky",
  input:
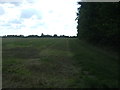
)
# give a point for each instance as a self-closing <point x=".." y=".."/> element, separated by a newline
<point x="34" y="17"/>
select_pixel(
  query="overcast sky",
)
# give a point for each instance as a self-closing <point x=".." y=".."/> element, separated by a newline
<point x="33" y="17"/>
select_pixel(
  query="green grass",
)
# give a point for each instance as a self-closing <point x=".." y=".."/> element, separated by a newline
<point x="57" y="63"/>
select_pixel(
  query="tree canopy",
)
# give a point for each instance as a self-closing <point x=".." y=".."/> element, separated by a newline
<point x="99" y="22"/>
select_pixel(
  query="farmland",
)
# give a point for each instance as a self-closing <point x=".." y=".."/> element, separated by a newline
<point x="56" y="63"/>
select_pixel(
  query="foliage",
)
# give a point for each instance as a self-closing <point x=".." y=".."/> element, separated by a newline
<point x="36" y="36"/>
<point x="98" y="22"/>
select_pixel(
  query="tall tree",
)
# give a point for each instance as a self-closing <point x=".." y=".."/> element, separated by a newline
<point x="98" y="22"/>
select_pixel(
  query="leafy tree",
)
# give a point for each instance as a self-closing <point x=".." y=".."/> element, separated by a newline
<point x="98" y="22"/>
<point x="42" y="35"/>
<point x="55" y="35"/>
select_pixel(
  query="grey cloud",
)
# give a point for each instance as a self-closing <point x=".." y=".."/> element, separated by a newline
<point x="28" y="13"/>
<point x="6" y="25"/>
<point x="15" y="22"/>
<point x="1" y="11"/>
<point x="9" y="24"/>
<point x="2" y="2"/>
<point x="16" y="3"/>
<point x="38" y="25"/>
<point x="30" y="1"/>
<point x="51" y="11"/>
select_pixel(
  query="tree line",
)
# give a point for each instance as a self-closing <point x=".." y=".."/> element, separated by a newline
<point x="98" y="23"/>
<point x="36" y="36"/>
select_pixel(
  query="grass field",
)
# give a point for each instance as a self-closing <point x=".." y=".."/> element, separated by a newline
<point x="57" y="63"/>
